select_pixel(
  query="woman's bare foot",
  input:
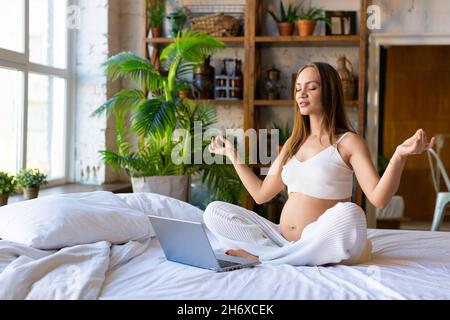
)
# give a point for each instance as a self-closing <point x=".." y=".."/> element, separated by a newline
<point x="241" y="253"/>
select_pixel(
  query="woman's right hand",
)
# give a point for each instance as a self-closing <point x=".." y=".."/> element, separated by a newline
<point x="220" y="145"/>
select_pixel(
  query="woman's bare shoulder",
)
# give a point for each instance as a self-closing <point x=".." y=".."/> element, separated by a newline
<point x="353" y="142"/>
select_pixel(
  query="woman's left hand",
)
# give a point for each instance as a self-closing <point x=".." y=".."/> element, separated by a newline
<point x="241" y="253"/>
<point x="416" y="144"/>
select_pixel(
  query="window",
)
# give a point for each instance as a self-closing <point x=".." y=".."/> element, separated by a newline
<point x="10" y="93"/>
<point x="35" y="86"/>
<point x="12" y="24"/>
<point x="47" y="36"/>
<point x="45" y="123"/>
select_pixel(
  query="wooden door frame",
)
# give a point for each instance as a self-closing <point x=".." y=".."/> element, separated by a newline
<point x="376" y="42"/>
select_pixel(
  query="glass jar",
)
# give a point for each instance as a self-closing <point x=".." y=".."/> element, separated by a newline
<point x="272" y="85"/>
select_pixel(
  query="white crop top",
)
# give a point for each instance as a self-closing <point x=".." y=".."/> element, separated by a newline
<point x="323" y="176"/>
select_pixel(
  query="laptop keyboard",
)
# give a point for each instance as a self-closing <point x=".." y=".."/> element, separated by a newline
<point x="225" y="264"/>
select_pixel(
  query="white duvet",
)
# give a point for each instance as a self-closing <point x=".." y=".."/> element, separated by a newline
<point x="404" y="265"/>
<point x="76" y="272"/>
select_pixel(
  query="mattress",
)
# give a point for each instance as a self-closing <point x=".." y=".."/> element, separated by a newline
<point x="404" y="265"/>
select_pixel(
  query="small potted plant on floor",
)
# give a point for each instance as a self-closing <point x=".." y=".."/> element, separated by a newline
<point x="155" y="17"/>
<point x="8" y="186"/>
<point x="31" y="180"/>
<point x="307" y="20"/>
<point x="285" y="23"/>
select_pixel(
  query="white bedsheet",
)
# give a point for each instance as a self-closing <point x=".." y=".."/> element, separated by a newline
<point x="405" y="265"/>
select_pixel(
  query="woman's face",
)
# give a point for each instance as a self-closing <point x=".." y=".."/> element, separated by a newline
<point x="308" y="92"/>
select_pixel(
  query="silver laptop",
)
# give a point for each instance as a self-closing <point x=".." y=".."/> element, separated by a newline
<point x="186" y="242"/>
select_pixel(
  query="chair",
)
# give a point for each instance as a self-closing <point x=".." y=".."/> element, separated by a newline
<point x="442" y="198"/>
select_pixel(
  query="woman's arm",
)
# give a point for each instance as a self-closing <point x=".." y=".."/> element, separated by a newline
<point x="261" y="191"/>
<point x="378" y="190"/>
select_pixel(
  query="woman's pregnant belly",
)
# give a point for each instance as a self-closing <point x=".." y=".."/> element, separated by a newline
<point x="299" y="211"/>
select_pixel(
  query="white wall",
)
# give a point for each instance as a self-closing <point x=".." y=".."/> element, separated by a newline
<point x="91" y="90"/>
<point x="414" y="16"/>
<point x="107" y="27"/>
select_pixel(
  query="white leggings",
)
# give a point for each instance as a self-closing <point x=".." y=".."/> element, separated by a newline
<point x="338" y="236"/>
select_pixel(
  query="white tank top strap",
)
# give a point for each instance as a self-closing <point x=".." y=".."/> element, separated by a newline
<point x="342" y="137"/>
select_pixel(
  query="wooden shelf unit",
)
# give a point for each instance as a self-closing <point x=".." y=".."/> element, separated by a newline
<point x="227" y="40"/>
<point x="309" y="41"/>
<point x="252" y="43"/>
<point x="221" y="102"/>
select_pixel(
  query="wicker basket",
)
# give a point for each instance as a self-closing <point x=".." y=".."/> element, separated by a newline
<point x="216" y="25"/>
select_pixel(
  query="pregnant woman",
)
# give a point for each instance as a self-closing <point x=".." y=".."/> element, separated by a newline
<point x="319" y="224"/>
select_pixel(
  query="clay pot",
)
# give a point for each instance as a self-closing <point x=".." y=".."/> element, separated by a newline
<point x="3" y="199"/>
<point x="30" y="193"/>
<point x="285" y="28"/>
<point x="306" y="27"/>
<point x="156" y="32"/>
<point x="184" y="94"/>
<point x="171" y="186"/>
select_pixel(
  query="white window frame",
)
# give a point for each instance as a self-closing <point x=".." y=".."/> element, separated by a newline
<point x="21" y="62"/>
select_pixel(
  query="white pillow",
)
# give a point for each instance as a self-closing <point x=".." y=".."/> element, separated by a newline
<point x="54" y="222"/>
<point x="163" y="206"/>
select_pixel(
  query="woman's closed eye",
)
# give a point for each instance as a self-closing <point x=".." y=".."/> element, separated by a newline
<point x="309" y="89"/>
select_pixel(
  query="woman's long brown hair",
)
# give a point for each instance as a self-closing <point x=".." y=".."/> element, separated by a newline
<point x="335" y="120"/>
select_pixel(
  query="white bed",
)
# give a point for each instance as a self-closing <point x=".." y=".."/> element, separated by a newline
<point x="404" y="265"/>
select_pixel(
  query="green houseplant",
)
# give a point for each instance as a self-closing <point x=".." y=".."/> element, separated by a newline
<point x="155" y="17"/>
<point x="382" y="163"/>
<point x="31" y="180"/>
<point x="307" y="20"/>
<point x="285" y="22"/>
<point x="284" y="133"/>
<point x="155" y="119"/>
<point x="8" y="185"/>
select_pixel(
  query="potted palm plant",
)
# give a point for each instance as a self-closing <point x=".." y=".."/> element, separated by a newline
<point x="307" y="20"/>
<point x="31" y="180"/>
<point x="154" y="119"/>
<point x="285" y="22"/>
<point x="155" y="17"/>
<point x="8" y="185"/>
